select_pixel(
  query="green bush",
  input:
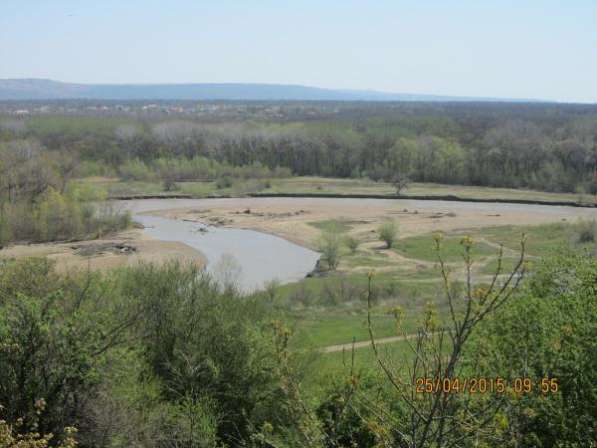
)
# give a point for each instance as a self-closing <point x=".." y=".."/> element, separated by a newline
<point x="224" y="182"/>
<point x="141" y="353"/>
<point x="208" y="346"/>
<point x="52" y="332"/>
<point x="352" y="243"/>
<point x="329" y="246"/>
<point x="135" y="169"/>
<point x="586" y="231"/>
<point x="388" y="232"/>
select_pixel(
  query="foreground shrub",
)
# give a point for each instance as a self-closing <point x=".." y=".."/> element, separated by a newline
<point x="208" y="347"/>
<point x="548" y="332"/>
<point x="54" y="332"/>
<point x="11" y="437"/>
<point x="143" y="356"/>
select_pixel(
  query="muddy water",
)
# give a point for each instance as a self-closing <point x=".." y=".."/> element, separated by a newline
<point x="257" y="257"/>
<point x="263" y="257"/>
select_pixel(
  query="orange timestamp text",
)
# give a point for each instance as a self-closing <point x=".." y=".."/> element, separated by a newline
<point x="485" y="385"/>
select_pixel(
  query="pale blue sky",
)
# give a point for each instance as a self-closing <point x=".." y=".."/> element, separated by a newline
<point x="533" y="49"/>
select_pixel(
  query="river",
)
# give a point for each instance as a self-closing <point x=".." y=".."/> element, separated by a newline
<point x="251" y="258"/>
<point x="262" y="257"/>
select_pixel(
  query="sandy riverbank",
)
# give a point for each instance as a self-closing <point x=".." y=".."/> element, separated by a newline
<point x="123" y="249"/>
<point x="290" y="217"/>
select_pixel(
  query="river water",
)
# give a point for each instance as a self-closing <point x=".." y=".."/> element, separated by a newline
<point x="248" y="258"/>
<point x="261" y="257"/>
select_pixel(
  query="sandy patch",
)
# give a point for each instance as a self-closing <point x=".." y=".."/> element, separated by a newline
<point x="124" y="249"/>
<point x="290" y="217"/>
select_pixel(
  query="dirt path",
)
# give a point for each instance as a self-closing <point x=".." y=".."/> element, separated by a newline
<point x="367" y="343"/>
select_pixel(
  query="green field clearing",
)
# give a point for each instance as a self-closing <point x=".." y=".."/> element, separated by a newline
<point x="423" y="248"/>
<point x="313" y="185"/>
<point x="328" y="368"/>
<point x="332" y="225"/>
<point x="332" y="309"/>
<point x="365" y="186"/>
<point x="541" y="240"/>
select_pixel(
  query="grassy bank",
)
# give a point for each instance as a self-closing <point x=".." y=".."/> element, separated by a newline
<point x="314" y="185"/>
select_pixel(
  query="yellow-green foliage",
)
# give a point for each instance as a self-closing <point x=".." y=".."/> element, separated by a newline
<point x="196" y="168"/>
<point x="10" y="437"/>
<point x="55" y="216"/>
<point x="388" y="232"/>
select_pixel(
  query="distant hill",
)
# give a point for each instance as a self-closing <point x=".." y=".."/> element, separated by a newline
<point x="44" y="89"/>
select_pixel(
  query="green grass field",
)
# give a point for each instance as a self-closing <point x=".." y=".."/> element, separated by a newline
<point x="335" y="309"/>
<point x="334" y="368"/>
<point x="423" y="248"/>
<point x="308" y="184"/>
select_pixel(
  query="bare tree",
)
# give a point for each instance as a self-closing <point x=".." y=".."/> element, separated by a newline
<point x="400" y="182"/>
<point x="25" y="170"/>
<point x="227" y="272"/>
<point x="441" y="411"/>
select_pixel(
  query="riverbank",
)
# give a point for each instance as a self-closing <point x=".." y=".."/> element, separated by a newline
<point x="300" y="219"/>
<point x="126" y="248"/>
<point x="310" y="186"/>
<point x="447" y="198"/>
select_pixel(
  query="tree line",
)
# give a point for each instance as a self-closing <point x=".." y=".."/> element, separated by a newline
<point x="544" y="147"/>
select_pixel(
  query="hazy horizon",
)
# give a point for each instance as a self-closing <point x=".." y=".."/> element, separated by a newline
<point x="540" y="50"/>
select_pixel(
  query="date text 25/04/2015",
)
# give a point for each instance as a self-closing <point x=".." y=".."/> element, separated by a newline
<point x="486" y="385"/>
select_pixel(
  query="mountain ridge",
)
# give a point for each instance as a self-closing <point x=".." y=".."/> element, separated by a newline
<point x="47" y="89"/>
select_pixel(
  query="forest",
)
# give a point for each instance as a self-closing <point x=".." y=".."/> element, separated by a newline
<point x="547" y="147"/>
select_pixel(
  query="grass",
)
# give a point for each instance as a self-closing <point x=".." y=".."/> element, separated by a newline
<point x="322" y="322"/>
<point x="331" y="310"/>
<point x="508" y="265"/>
<point x="541" y="240"/>
<point x="332" y="368"/>
<point x="116" y="187"/>
<point x="477" y="192"/>
<point x="335" y="327"/>
<point x="360" y="259"/>
<point x="311" y="184"/>
<point x="423" y="248"/>
<point x="332" y="225"/>
<point x="388" y="283"/>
